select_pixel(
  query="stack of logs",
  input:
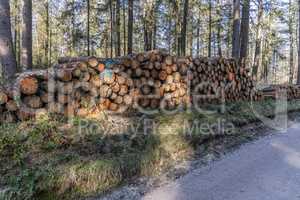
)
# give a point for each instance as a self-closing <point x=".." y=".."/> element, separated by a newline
<point x="289" y="91"/>
<point x="223" y="79"/>
<point x="151" y="80"/>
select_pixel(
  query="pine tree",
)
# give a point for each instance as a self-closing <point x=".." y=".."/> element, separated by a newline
<point x="236" y="29"/>
<point x="130" y="26"/>
<point x="245" y="30"/>
<point x="26" y="52"/>
<point x="7" y="58"/>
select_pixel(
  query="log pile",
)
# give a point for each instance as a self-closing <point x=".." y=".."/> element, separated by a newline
<point x="147" y="81"/>
<point x="221" y="80"/>
<point x="290" y="91"/>
<point x="158" y="80"/>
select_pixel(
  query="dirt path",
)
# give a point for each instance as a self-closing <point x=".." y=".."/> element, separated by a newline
<point x="266" y="169"/>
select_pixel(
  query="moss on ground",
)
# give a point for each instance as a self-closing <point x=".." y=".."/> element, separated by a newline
<point x="51" y="159"/>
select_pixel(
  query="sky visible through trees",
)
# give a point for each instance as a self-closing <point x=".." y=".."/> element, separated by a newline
<point x="204" y="28"/>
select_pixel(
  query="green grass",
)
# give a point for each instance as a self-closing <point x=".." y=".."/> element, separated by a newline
<point x="50" y="159"/>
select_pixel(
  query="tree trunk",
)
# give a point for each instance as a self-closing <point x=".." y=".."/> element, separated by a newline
<point x="236" y="30"/>
<point x="118" y="32"/>
<point x="154" y="31"/>
<point x="219" y="29"/>
<point x="48" y="34"/>
<point x="130" y="26"/>
<point x="26" y="55"/>
<point x="198" y="33"/>
<point x="210" y="28"/>
<point x="149" y="20"/>
<point x="88" y="28"/>
<point x="291" y="37"/>
<point x="73" y="29"/>
<point x="124" y="28"/>
<point x="111" y="9"/>
<point x="170" y="36"/>
<point x="184" y="25"/>
<point x="7" y="58"/>
<point x="258" y="40"/>
<point x="50" y="48"/>
<point x="245" y="31"/>
<point x="191" y="39"/>
<point x="298" y="77"/>
<point x="17" y="34"/>
<point x="156" y="10"/>
<point x="198" y="41"/>
<point x="229" y="33"/>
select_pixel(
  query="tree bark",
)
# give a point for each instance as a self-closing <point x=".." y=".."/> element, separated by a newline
<point x="191" y="38"/>
<point x="236" y="29"/>
<point x="198" y="41"/>
<point x="291" y="37"/>
<point x="298" y="77"/>
<point x="156" y="10"/>
<point x="184" y="25"/>
<point x="258" y="40"/>
<point x="154" y="31"/>
<point x="17" y="33"/>
<point x="26" y="52"/>
<point x="219" y="29"/>
<point x="245" y="31"/>
<point x="210" y="28"/>
<point x="170" y="35"/>
<point x="111" y="9"/>
<point x="74" y="39"/>
<point x="118" y="32"/>
<point x="7" y="58"/>
<point x="130" y="26"/>
<point x="124" y="28"/>
<point x="88" y="28"/>
<point x="48" y="33"/>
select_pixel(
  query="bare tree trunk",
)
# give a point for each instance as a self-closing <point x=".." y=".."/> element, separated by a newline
<point x="210" y="28"/>
<point x="229" y="33"/>
<point x="184" y="25"/>
<point x="219" y="36"/>
<point x="191" y="39"/>
<point x="170" y="28"/>
<point x="147" y="9"/>
<point x="156" y="10"/>
<point x="291" y="37"/>
<point x="88" y="28"/>
<point x="145" y="35"/>
<point x="198" y="41"/>
<point x="130" y="26"/>
<point x="111" y="28"/>
<point x="26" y="55"/>
<point x="106" y="44"/>
<point x="124" y="28"/>
<point x="50" y="47"/>
<point x="245" y="31"/>
<point x="198" y="33"/>
<point x="7" y="58"/>
<point x="118" y="32"/>
<point x="298" y="77"/>
<point x="258" y="40"/>
<point x="154" y="32"/>
<point x="73" y="29"/>
<point x="236" y="30"/>
<point x="17" y="34"/>
<point x="47" y="36"/>
<point x="219" y="42"/>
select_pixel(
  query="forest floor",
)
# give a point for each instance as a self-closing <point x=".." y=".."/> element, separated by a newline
<point x="54" y="158"/>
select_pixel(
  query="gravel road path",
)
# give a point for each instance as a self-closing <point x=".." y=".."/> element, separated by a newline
<point x="267" y="169"/>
